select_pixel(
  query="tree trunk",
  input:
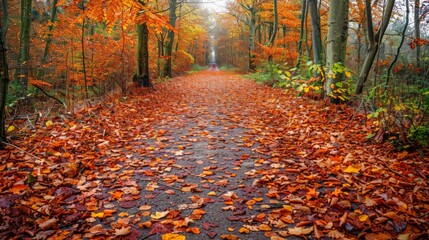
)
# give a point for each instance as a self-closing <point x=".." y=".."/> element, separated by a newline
<point x="82" y="42"/>
<point x="21" y="74"/>
<point x="417" y="30"/>
<point x="315" y="32"/>
<point x="168" y="68"/>
<point x="252" y="28"/>
<point x="48" y="40"/>
<point x="142" y="77"/>
<point x="301" y="32"/>
<point x="4" y="82"/>
<point x="5" y="17"/>
<point x="337" y="43"/>
<point x="374" y="41"/>
<point x="275" y="26"/>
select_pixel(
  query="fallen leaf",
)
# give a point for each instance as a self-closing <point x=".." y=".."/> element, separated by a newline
<point x="123" y="231"/>
<point x="352" y="169"/>
<point x="159" y="215"/>
<point x="51" y="223"/>
<point x="173" y="236"/>
<point x="97" y="215"/>
<point x="244" y="230"/>
<point x="18" y="188"/>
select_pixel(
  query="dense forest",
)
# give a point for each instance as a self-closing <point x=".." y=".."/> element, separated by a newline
<point x="201" y="119"/>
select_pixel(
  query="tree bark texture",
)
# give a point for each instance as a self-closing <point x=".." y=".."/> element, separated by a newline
<point x="336" y="45"/>
<point x="316" y="35"/>
<point x="4" y="82"/>
<point x="276" y="24"/>
<point x="5" y="19"/>
<point x="252" y="31"/>
<point x="301" y="31"/>
<point x="143" y="78"/>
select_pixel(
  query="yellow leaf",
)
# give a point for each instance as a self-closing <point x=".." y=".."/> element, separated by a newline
<point x="288" y="207"/>
<point x="352" y="169"/>
<point x="398" y="107"/>
<point x="173" y="236"/>
<point x="10" y="128"/>
<point x="211" y="194"/>
<point x="159" y="215"/>
<point x="48" y="123"/>
<point x="244" y="230"/>
<point x="123" y="214"/>
<point x="348" y="74"/>
<point x="363" y="218"/>
<point x="97" y="215"/>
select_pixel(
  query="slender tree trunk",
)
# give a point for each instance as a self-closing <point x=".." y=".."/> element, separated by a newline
<point x="275" y="27"/>
<point x="315" y="32"/>
<point x="417" y="30"/>
<point x="4" y="82"/>
<point x="82" y="42"/>
<point x="48" y="40"/>
<point x="161" y="54"/>
<point x="22" y="72"/>
<point x="168" y="68"/>
<point x="143" y="77"/>
<point x="398" y="51"/>
<point x="301" y="32"/>
<point x="5" y="17"/>
<point x="337" y="43"/>
<point x="252" y="28"/>
<point x="374" y="41"/>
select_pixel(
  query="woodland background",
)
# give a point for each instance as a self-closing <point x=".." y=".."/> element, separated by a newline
<point x="59" y="55"/>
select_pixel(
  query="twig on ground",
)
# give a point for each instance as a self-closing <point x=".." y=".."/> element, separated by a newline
<point x="11" y="145"/>
<point x="388" y="167"/>
<point x="148" y="236"/>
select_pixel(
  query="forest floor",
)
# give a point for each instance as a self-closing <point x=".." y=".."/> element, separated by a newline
<point x="211" y="156"/>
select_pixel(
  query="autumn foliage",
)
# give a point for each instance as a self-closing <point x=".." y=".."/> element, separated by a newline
<point x="112" y="128"/>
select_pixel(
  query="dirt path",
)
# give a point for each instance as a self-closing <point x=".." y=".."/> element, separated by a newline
<point x="211" y="155"/>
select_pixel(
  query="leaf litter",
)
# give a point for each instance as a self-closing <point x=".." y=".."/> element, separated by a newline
<point x="211" y="155"/>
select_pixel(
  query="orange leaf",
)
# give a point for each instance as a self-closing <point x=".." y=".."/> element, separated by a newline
<point x="18" y="188"/>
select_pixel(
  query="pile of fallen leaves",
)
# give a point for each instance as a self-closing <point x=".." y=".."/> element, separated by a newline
<point x="211" y="155"/>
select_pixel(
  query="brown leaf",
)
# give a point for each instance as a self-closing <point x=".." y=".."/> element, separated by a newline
<point x="123" y="231"/>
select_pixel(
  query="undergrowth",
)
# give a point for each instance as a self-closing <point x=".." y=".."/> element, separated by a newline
<point x="402" y="119"/>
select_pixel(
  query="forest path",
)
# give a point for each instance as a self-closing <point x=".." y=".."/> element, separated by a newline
<point x="211" y="155"/>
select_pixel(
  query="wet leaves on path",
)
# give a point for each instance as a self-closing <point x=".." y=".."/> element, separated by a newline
<point x="211" y="156"/>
